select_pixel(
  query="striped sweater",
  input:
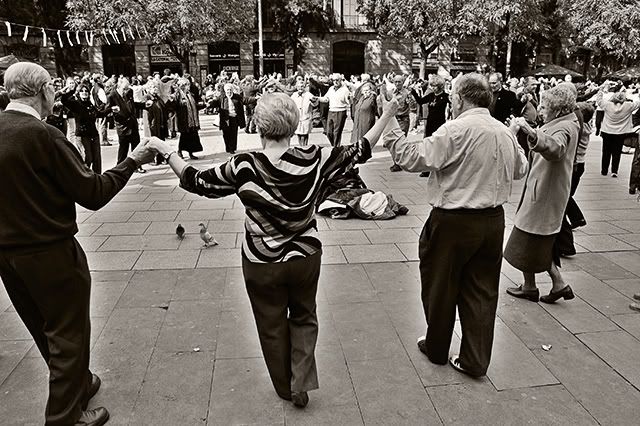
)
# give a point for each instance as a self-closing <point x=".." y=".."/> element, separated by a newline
<point x="279" y="197"/>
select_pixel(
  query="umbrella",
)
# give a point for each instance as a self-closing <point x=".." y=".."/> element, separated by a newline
<point x="626" y="74"/>
<point x="553" y="71"/>
<point x="6" y="61"/>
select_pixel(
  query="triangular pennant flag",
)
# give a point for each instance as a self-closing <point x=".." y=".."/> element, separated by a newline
<point x="26" y="33"/>
<point x="8" y="24"/>
<point x="138" y="31"/>
<point x="69" y="38"/>
<point x="60" y="38"/>
<point x="77" y="37"/>
<point x="131" y="33"/>
<point x="44" y="37"/>
<point x="104" y="33"/>
<point x="124" y="34"/>
<point x="91" y="39"/>
<point x="86" y="37"/>
<point x="114" y="36"/>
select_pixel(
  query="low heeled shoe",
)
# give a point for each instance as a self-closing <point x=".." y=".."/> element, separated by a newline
<point x="566" y="293"/>
<point x="520" y="293"/>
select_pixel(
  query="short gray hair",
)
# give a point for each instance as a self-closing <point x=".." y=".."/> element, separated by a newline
<point x="498" y="75"/>
<point x="437" y="80"/>
<point x="474" y="88"/>
<point x="276" y="116"/>
<point x="559" y="100"/>
<point x="25" y="79"/>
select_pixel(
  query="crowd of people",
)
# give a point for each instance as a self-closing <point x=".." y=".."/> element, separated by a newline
<point x="480" y="134"/>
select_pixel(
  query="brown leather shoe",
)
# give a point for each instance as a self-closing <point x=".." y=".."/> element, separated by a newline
<point x="96" y="417"/>
<point x="300" y="399"/>
<point x="532" y="295"/>
<point x="566" y="293"/>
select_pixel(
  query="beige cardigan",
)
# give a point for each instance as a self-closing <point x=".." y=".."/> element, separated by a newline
<point x="546" y="191"/>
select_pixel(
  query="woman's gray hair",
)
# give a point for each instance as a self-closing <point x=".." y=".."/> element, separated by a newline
<point x="437" y="81"/>
<point x="474" y="88"/>
<point x="559" y="100"/>
<point x="25" y="79"/>
<point x="276" y="116"/>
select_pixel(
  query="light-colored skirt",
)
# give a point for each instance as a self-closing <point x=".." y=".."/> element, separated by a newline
<point x="304" y="127"/>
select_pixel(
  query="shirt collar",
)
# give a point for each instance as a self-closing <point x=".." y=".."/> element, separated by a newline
<point x="20" y="107"/>
<point x="475" y="111"/>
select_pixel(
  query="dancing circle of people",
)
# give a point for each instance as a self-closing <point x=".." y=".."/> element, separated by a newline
<point x="480" y="135"/>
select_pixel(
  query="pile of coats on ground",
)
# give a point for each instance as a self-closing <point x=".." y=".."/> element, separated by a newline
<point x="347" y="196"/>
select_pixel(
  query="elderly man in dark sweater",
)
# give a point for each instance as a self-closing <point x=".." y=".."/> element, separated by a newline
<point x="42" y="266"/>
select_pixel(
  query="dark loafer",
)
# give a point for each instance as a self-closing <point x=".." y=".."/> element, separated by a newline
<point x="300" y="399"/>
<point x="532" y="295"/>
<point x="634" y="307"/>
<point x="454" y="361"/>
<point x="93" y="389"/>
<point x="636" y="296"/>
<point x="566" y="294"/>
<point x="96" y="417"/>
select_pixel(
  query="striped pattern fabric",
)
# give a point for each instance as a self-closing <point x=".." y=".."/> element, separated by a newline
<point x="279" y="197"/>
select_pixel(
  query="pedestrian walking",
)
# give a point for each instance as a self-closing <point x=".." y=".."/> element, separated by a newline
<point x="473" y="160"/>
<point x="42" y="266"/>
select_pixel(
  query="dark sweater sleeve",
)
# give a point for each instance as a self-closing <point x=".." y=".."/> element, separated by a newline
<point x="91" y="190"/>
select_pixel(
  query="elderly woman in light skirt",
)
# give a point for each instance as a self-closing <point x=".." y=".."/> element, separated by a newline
<point x="281" y="251"/>
<point x="532" y="245"/>
<point x="305" y="102"/>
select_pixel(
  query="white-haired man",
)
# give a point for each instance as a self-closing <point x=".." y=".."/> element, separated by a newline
<point x="339" y="97"/>
<point x="42" y="266"/>
<point x="473" y="160"/>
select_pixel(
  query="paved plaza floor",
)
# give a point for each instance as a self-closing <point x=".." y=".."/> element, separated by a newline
<point x="174" y="341"/>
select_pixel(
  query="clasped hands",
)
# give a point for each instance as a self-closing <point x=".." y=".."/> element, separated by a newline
<point x="147" y="149"/>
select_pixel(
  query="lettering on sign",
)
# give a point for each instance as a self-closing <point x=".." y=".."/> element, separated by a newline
<point x="160" y="53"/>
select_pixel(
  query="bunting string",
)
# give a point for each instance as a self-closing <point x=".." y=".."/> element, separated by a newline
<point x="65" y="38"/>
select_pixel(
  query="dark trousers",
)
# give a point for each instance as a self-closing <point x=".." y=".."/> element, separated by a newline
<point x="250" y="125"/>
<point x="460" y="259"/>
<point x="335" y="125"/>
<point x="283" y="299"/>
<point x="126" y="142"/>
<point x="611" y="152"/>
<point x="230" y="135"/>
<point x="599" y="118"/>
<point x="572" y="214"/>
<point x="92" y="153"/>
<point x="634" y="178"/>
<point x="49" y="287"/>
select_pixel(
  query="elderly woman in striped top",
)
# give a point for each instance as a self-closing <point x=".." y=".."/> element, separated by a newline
<point x="281" y="250"/>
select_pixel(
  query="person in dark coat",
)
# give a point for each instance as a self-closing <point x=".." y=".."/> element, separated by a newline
<point x="505" y="103"/>
<point x="231" y="117"/>
<point x="158" y="114"/>
<point x="124" y="114"/>
<point x="437" y="101"/>
<point x="43" y="268"/>
<point x="249" y="92"/>
<point x="365" y="111"/>
<point x="86" y="113"/>
<point x="187" y="107"/>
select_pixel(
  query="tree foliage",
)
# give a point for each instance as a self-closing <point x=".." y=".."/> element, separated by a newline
<point x="178" y="23"/>
<point x="295" y="19"/>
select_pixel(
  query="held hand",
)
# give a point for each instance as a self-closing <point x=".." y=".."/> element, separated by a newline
<point x="159" y="146"/>
<point x="143" y="154"/>
<point x="513" y="125"/>
<point x="148" y="103"/>
<point x="115" y="109"/>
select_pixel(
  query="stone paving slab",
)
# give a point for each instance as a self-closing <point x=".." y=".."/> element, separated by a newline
<point x="175" y="342"/>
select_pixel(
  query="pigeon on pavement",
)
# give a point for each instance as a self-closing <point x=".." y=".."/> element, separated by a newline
<point x="180" y="231"/>
<point x="206" y="236"/>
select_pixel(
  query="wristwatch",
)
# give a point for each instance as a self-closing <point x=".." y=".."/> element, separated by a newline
<point x="167" y="155"/>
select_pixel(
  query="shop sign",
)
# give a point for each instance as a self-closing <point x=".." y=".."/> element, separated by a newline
<point x="160" y="53"/>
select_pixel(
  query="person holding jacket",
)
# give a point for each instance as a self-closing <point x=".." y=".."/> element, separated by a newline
<point x="86" y="114"/>
<point x="532" y="247"/>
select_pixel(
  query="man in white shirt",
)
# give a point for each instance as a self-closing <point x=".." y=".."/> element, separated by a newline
<point x="338" y="96"/>
<point x="473" y="161"/>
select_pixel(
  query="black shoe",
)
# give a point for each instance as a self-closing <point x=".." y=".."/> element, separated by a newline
<point x="425" y="174"/>
<point x="578" y="224"/>
<point x="604" y="173"/>
<point x="395" y="168"/>
<point x="454" y="361"/>
<point x="193" y="157"/>
<point x="96" y="417"/>
<point x="566" y="293"/>
<point x="93" y="389"/>
<point x="299" y="399"/>
<point x="636" y="296"/>
<point x="532" y="295"/>
<point x="422" y="344"/>
<point x="632" y="191"/>
<point x="614" y="175"/>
